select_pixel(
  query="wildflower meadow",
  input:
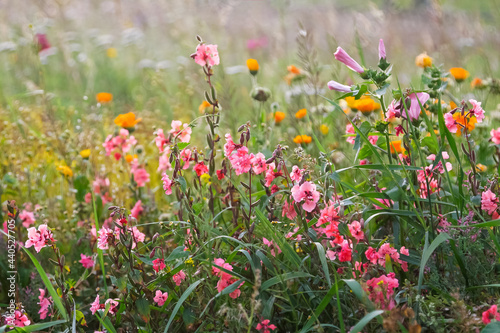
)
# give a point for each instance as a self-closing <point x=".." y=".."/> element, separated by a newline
<point x="250" y="166"/>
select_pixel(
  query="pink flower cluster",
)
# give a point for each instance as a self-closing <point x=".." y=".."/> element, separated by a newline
<point x="86" y="261"/>
<point x="265" y="327"/>
<point x="179" y="277"/>
<point x="160" y="298"/>
<point x="44" y="304"/>
<point x="141" y="176"/>
<point x="349" y="129"/>
<point x="489" y="202"/>
<point x="96" y="305"/>
<point x="19" y="320"/>
<point x="27" y="218"/>
<point x="381" y="289"/>
<point x="206" y="55"/>
<point x="159" y="265"/>
<point x="307" y="193"/>
<point x="122" y="141"/>
<point x="241" y="160"/>
<point x="39" y="238"/>
<point x="387" y="251"/>
<point x="476" y="111"/>
<point x="107" y="236"/>
<point x="226" y="279"/>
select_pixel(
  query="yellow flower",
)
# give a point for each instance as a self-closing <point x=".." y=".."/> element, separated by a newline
<point x="351" y="102"/>
<point x="129" y="158"/>
<point x="459" y="74"/>
<point x="104" y="97"/>
<point x="111" y="52"/>
<point x="324" y="129"/>
<point x="397" y="147"/>
<point x="481" y="168"/>
<point x="127" y="120"/>
<point x="253" y="66"/>
<point x="477" y="83"/>
<point x="423" y="60"/>
<point x="302" y="139"/>
<point x="279" y="116"/>
<point x="365" y="104"/>
<point x="205" y="179"/>
<point x="85" y="153"/>
<point x="301" y="114"/>
<point x="203" y="106"/>
<point x="65" y="170"/>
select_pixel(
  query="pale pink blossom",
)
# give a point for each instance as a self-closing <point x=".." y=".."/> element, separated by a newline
<point x="495" y="136"/>
<point x="296" y="174"/>
<point x="334" y="85"/>
<point x="181" y="131"/>
<point x="160" y="298"/>
<point x="259" y="163"/>
<point x="44" y="304"/>
<point x="381" y="49"/>
<point x="179" y="277"/>
<point x="96" y="305"/>
<point x="106" y="238"/>
<point x="416" y="100"/>
<point x="206" y="54"/>
<point x="346" y="59"/>
<point x="477" y="111"/>
<point x="289" y="210"/>
<point x="307" y="193"/>
<point x="450" y="122"/>
<point x="489" y="202"/>
<point x="160" y="140"/>
<point x="113" y="305"/>
<point x="167" y="184"/>
<point x="39" y="238"/>
<point x="349" y="129"/>
<point x="141" y="177"/>
<point x="28" y="218"/>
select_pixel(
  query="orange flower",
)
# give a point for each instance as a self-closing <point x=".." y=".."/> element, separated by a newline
<point x="292" y="69"/>
<point x="423" y="60"/>
<point x="477" y="83"/>
<point x="129" y="158"/>
<point x="127" y="120"/>
<point x="301" y="114"/>
<point x="470" y="122"/>
<point x="351" y="101"/>
<point x="453" y="105"/>
<point x="104" y="97"/>
<point x="203" y="106"/>
<point x="397" y="147"/>
<point x="459" y="74"/>
<point x="364" y="104"/>
<point x="253" y="66"/>
<point x="302" y="139"/>
<point x="279" y="116"/>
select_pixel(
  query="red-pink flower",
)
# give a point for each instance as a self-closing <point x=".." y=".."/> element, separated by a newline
<point x="27" y="217"/>
<point x="477" y="110"/>
<point x="106" y="238"/>
<point x="179" y="277"/>
<point x="137" y="209"/>
<point x="346" y="59"/>
<point x="18" y="320"/>
<point x="96" y="305"/>
<point x="44" y="304"/>
<point x="345" y="251"/>
<point x="491" y="313"/>
<point x="289" y="210"/>
<point x="272" y="246"/>
<point x="349" y="129"/>
<point x="160" y="298"/>
<point x="200" y="168"/>
<point x="265" y="327"/>
<point x="271" y="174"/>
<point x="307" y="193"/>
<point x="141" y="177"/>
<point x="259" y="163"/>
<point x="181" y="131"/>
<point x="450" y="122"/>
<point x="206" y="55"/>
<point x="356" y="230"/>
<point x="381" y="289"/>
<point x="391" y="111"/>
<point x="167" y="184"/>
<point x="159" y="264"/>
<point x="495" y="136"/>
<point x="39" y="238"/>
<point x="160" y="140"/>
<point x="113" y="305"/>
<point x="489" y="202"/>
<point x="186" y="157"/>
<point x="86" y="261"/>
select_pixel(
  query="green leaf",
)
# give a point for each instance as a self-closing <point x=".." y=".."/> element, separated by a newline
<point x="322" y="258"/>
<point x="365" y="320"/>
<point x="105" y="322"/>
<point x="282" y="278"/>
<point x="55" y="297"/>
<point x="322" y="305"/>
<point x="181" y="300"/>
<point x="142" y="305"/>
<point x="427" y="254"/>
<point x="38" y="327"/>
<point x="81" y="184"/>
<point x="493" y="327"/>
<point x="182" y="145"/>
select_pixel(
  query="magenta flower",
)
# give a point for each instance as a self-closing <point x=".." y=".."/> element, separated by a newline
<point x="345" y="251"/>
<point x="18" y="320"/>
<point x="491" y="313"/>
<point x="179" y="277"/>
<point x="489" y="202"/>
<point x="477" y="110"/>
<point x="288" y="210"/>
<point x="334" y="85"/>
<point x="381" y="49"/>
<point x="265" y="327"/>
<point x="307" y="193"/>
<point x="349" y="129"/>
<point x="206" y="55"/>
<point x="346" y="59"/>
<point x="42" y="41"/>
<point x="414" y="109"/>
<point x="44" y="304"/>
<point x="381" y="289"/>
<point x="167" y="184"/>
<point x="159" y="265"/>
<point x="160" y="298"/>
<point x="495" y="136"/>
<point x="86" y="262"/>
<point x="39" y="238"/>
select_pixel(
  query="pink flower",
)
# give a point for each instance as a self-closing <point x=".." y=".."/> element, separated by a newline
<point x="160" y="298"/>
<point x="186" y="157"/>
<point x="289" y="210"/>
<point x="39" y="238"/>
<point x="356" y="230"/>
<point x="44" y="304"/>
<point x="265" y="327"/>
<point x="477" y="110"/>
<point x="19" y="320"/>
<point x="259" y="163"/>
<point x="272" y="246"/>
<point x="220" y="174"/>
<point x="345" y="251"/>
<point x="241" y="161"/>
<point x="113" y="305"/>
<point x="296" y="174"/>
<point x="181" y="131"/>
<point x="42" y="42"/>
<point x="495" y="136"/>
<point x="160" y="140"/>
<point x="200" y="168"/>
<point x="257" y="43"/>
<point x="206" y="55"/>
<point x="159" y="265"/>
<point x="489" y="202"/>
<point x="141" y="177"/>
<point x="137" y="210"/>
<point x="391" y="111"/>
<point x="271" y="174"/>
<point x="381" y="49"/>
<point x="96" y="305"/>
<point x="163" y="162"/>
<point x="307" y="193"/>
<point x="346" y="59"/>
<point x="399" y="130"/>
<point x="334" y="85"/>
<point x="349" y="129"/>
<point x="27" y="217"/>
<point x="450" y="122"/>
<point x="491" y="313"/>
<point x="414" y="109"/>
<point x="106" y="238"/>
<point x="381" y="289"/>
<point x="86" y="262"/>
<point x="137" y="236"/>
<point x="179" y="277"/>
<point x="167" y="184"/>
<point x="373" y="139"/>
